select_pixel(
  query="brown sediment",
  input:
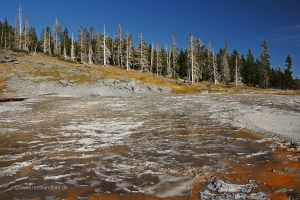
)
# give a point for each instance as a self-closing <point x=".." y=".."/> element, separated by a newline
<point x="25" y="171"/>
<point x="198" y="185"/>
<point x="280" y="196"/>
<point x="271" y="176"/>
<point x="183" y="132"/>
<point x="248" y="134"/>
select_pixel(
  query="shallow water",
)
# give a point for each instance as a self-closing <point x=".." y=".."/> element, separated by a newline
<point x="154" y="145"/>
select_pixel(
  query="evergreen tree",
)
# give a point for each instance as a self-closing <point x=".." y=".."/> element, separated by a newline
<point x="174" y="55"/>
<point x="142" y="59"/>
<point x="224" y="65"/>
<point x="158" y="58"/>
<point x="83" y="45"/>
<point x="103" y="53"/>
<point x="208" y="70"/>
<point x="66" y="44"/>
<point x="192" y="71"/>
<point x="57" y="31"/>
<point x="182" y="64"/>
<point x="288" y="78"/>
<point x="46" y="41"/>
<point x="33" y="40"/>
<point x="265" y="65"/>
<point x="129" y="52"/>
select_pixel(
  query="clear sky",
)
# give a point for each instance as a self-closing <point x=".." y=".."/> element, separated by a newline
<point x="242" y="23"/>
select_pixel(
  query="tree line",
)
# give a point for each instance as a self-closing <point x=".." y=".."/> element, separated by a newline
<point x="199" y="62"/>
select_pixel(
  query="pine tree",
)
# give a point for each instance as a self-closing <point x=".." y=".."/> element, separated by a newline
<point x="83" y="45"/>
<point x="129" y="51"/>
<point x="158" y="59"/>
<point x="5" y="34"/>
<point x="72" y="49"/>
<point x="224" y="65"/>
<point x="66" y="44"/>
<point x="200" y="60"/>
<point x="191" y="57"/>
<point x="142" y="62"/>
<point x="151" y="57"/>
<point x="237" y="76"/>
<point x="26" y="36"/>
<point x="33" y="40"/>
<point x="102" y="51"/>
<point x="46" y="40"/>
<point x="208" y="71"/>
<point x="265" y="65"/>
<point x="288" y="78"/>
<point x="216" y="74"/>
<point x="174" y="55"/>
<point x="57" y="31"/>
<point x="2" y="33"/>
<point x="91" y="38"/>
<point x="168" y="62"/>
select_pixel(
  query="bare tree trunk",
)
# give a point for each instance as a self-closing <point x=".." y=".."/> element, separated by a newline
<point x="236" y="72"/>
<point x="192" y="58"/>
<point x="49" y="41"/>
<point x="157" y="59"/>
<point x="151" y="59"/>
<point x="45" y="41"/>
<point x="215" y="69"/>
<point x="20" y="27"/>
<point x="81" y="46"/>
<point x="65" y="50"/>
<point x="9" y="40"/>
<point x="35" y="48"/>
<point x="5" y="41"/>
<point x="90" y="53"/>
<point x="104" y="47"/>
<point x="72" y="49"/>
<point x="2" y="35"/>
<point x="141" y="53"/>
<point x="174" y="55"/>
<point x="127" y="53"/>
<point x="25" y="44"/>
<point x="120" y="57"/>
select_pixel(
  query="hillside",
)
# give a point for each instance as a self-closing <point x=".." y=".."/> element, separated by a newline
<point x="35" y="70"/>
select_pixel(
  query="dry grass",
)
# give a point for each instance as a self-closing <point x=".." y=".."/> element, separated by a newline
<point x="3" y="83"/>
<point x="58" y="69"/>
<point x="48" y="74"/>
<point x="5" y="71"/>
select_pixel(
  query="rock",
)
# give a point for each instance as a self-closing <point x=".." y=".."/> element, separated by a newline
<point x="142" y="89"/>
<point x="63" y="82"/>
<point x="152" y="88"/>
<point x="121" y="85"/>
<point x="7" y="58"/>
<point x="109" y="82"/>
<point x="133" y="83"/>
<point x="165" y="90"/>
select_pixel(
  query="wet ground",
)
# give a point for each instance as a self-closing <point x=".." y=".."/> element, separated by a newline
<point x="144" y="147"/>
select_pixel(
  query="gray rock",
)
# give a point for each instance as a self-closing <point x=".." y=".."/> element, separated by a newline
<point x="4" y="58"/>
<point x="109" y="82"/>
<point x="63" y="82"/>
<point x="165" y="90"/>
<point x="133" y="83"/>
<point x="152" y="88"/>
<point x="121" y="85"/>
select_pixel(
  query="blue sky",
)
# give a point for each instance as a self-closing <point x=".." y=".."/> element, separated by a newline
<point x="242" y="23"/>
